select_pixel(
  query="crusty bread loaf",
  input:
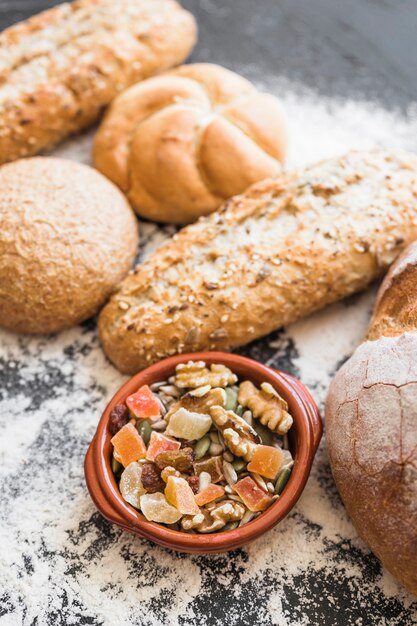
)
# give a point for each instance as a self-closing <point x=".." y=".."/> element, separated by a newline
<point x="60" y="68"/>
<point x="180" y="144"/>
<point x="67" y="238"/>
<point x="371" y="425"/>
<point x="280" y="251"/>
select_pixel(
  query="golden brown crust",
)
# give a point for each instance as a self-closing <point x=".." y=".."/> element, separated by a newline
<point x="280" y="251"/>
<point x="371" y="425"/>
<point x="181" y="143"/>
<point x="396" y="305"/>
<point x="60" y="68"/>
<point x="67" y="238"/>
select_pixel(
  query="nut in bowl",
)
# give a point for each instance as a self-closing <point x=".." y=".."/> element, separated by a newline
<point x="217" y="450"/>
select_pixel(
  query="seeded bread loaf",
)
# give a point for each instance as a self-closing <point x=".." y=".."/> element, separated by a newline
<point x="371" y="425"/>
<point x="60" y="68"/>
<point x="283" y="249"/>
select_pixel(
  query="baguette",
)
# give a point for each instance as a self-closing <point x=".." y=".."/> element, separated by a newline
<point x="60" y="68"/>
<point x="371" y="426"/>
<point x="282" y="250"/>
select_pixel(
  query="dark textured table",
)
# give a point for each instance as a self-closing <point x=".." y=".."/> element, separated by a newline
<point x="345" y="71"/>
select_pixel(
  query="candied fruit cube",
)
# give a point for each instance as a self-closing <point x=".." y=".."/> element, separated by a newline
<point x="210" y="493"/>
<point x="255" y="498"/>
<point x="159" y="443"/>
<point x="266" y="461"/>
<point x="213" y="465"/>
<point x="188" y="425"/>
<point x="179" y="493"/>
<point x="143" y="404"/>
<point x="181" y="459"/>
<point x="151" y="478"/>
<point x="128" y="445"/>
<point x="155" y="508"/>
<point x="130" y="485"/>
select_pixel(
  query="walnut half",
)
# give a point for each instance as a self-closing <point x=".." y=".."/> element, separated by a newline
<point x="238" y="436"/>
<point x="267" y="406"/>
<point x="196" y="374"/>
<point x="208" y="521"/>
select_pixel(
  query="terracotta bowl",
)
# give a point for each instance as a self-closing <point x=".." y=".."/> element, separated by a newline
<point x="304" y="438"/>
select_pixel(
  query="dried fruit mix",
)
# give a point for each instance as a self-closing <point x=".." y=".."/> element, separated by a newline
<point x="202" y="452"/>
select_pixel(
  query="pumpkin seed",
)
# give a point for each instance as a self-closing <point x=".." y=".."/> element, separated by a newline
<point x="231" y="526"/>
<point x="145" y="430"/>
<point x="264" y="433"/>
<point x="282" y="480"/>
<point x="201" y="447"/>
<point x="239" y="410"/>
<point x="239" y="465"/>
<point x="231" y="398"/>
<point x="115" y="466"/>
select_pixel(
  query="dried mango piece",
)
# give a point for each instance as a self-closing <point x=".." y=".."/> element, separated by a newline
<point x="130" y="485"/>
<point x="128" y="445"/>
<point x="143" y="404"/>
<point x="160" y="443"/>
<point x="179" y="493"/>
<point x="255" y="498"/>
<point x="210" y="493"/>
<point x="214" y="467"/>
<point x="155" y="508"/>
<point x="266" y="461"/>
<point x="187" y="425"/>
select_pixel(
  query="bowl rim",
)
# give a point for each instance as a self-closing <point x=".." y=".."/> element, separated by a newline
<point x="105" y="492"/>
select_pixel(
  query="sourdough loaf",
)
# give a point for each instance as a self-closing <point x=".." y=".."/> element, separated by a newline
<point x="283" y="249"/>
<point x="371" y="425"/>
<point x="181" y="143"/>
<point x="60" y="68"/>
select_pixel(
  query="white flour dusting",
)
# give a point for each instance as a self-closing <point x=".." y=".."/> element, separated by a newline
<point x="62" y="564"/>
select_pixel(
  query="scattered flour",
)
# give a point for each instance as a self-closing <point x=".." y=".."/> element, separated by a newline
<point x="61" y="563"/>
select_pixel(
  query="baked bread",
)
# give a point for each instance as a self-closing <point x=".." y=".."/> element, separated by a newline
<point x="60" y="68"/>
<point x="179" y="144"/>
<point x="371" y="424"/>
<point x="285" y="248"/>
<point x="67" y="238"/>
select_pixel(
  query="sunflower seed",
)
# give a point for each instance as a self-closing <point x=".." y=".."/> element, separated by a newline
<point x="158" y="385"/>
<point x="228" y="489"/>
<point x="170" y="390"/>
<point x="161" y="405"/>
<point x="215" y="449"/>
<point x="214" y="436"/>
<point x="159" y="425"/>
<point x="270" y="487"/>
<point x="228" y="456"/>
<point x="229" y="473"/>
<point x="247" y="517"/>
<point x="259" y="480"/>
<point x="230" y="526"/>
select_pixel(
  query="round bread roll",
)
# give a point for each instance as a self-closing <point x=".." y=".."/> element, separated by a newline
<point x="371" y="424"/>
<point x="67" y="237"/>
<point x="179" y="144"/>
